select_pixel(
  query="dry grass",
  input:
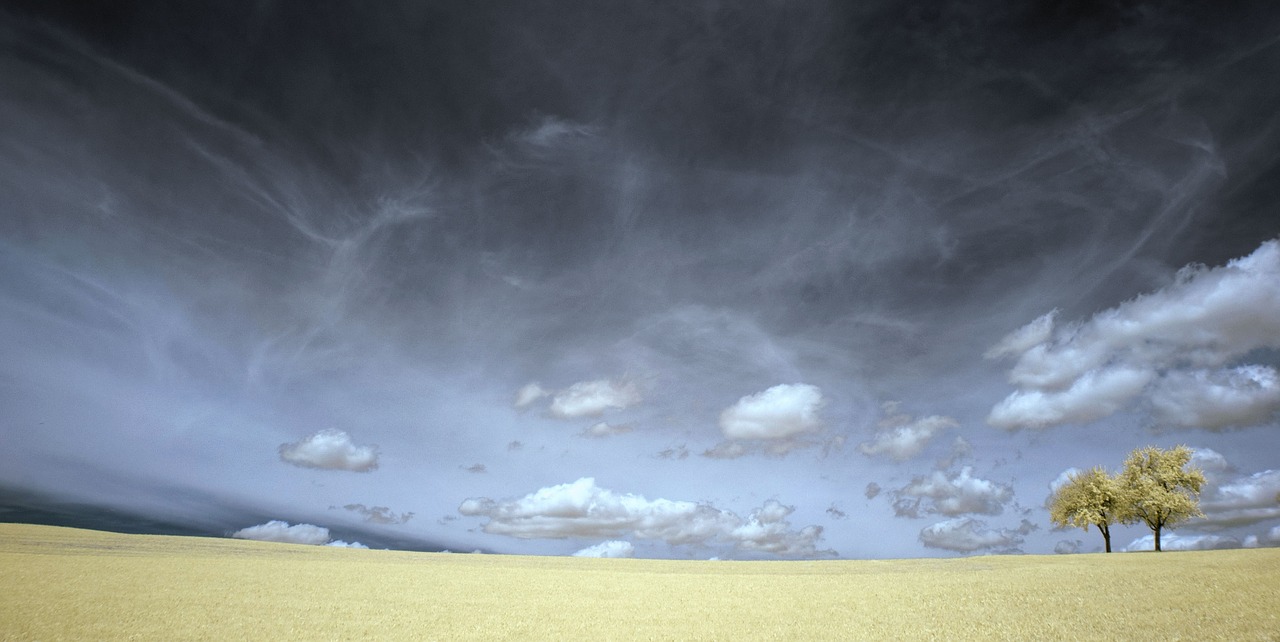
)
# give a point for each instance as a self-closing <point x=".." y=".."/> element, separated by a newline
<point x="59" y="583"/>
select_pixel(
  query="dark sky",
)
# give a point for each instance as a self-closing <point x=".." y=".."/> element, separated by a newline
<point x="691" y="279"/>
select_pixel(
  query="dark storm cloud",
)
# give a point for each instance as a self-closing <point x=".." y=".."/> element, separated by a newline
<point x="227" y="224"/>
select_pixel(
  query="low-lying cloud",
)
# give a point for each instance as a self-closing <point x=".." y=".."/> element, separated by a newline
<point x="612" y="548"/>
<point x="582" y="509"/>
<point x="1173" y="348"/>
<point x="280" y="531"/>
<point x="1175" y="542"/>
<point x="969" y="535"/>
<point x="330" y="450"/>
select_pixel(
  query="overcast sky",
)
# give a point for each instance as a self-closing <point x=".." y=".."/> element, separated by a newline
<point x="663" y="279"/>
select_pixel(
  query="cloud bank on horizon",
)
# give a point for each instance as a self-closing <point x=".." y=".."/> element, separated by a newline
<point x="696" y="280"/>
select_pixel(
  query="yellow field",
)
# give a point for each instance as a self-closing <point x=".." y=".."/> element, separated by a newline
<point x="61" y="583"/>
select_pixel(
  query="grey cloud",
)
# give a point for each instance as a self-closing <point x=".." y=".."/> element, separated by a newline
<point x="379" y="514"/>
<point x="1240" y="501"/>
<point x="901" y="437"/>
<point x="969" y="535"/>
<point x="872" y="490"/>
<point x="1067" y="546"/>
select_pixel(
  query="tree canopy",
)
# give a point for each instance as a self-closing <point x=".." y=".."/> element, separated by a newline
<point x="1089" y="498"/>
<point x="1159" y="488"/>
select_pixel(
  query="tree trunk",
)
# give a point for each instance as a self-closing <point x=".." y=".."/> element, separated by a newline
<point x="1106" y="535"/>
<point x="1157" y="532"/>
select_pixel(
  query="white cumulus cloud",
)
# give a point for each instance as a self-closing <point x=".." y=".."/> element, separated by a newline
<point x="330" y="450"/>
<point x="782" y="411"/>
<point x="1173" y="348"/>
<point x="611" y="548"/>
<point x="278" y="531"/>
<point x="582" y="509"/>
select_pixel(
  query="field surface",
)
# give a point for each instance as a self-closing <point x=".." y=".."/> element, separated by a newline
<point x="61" y="583"/>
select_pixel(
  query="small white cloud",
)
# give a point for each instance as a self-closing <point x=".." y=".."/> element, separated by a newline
<point x="278" y="531"/>
<point x="582" y="509"/>
<point x="603" y="429"/>
<point x="529" y="393"/>
<point x="782" y="411"/>
<point x="968" y="535"/>
<point x="593" y="398"/>
<point x="1175" y="542"/>
<point x="902" y="437"/>
<point x="611" y="548"/>
<point x="954" y="494"/>
<point x="330" y="450"/>
<point x="341" y="544"/>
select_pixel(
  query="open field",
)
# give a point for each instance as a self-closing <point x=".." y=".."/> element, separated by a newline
<point x="60" y="583"/>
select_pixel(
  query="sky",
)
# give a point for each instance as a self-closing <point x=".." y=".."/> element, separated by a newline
<point x="691" y="280"/>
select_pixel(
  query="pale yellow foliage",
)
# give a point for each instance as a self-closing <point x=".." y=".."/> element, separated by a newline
<point x="1160" y="490"/>
<point x="58" y="583"/>
<point x="1088" y="498"/>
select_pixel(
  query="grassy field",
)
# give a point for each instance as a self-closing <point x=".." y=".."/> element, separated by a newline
<point x="60" y="583"/>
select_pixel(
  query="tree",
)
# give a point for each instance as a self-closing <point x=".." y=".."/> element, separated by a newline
<point x="1089" y="498"/>
<point x="1159" y="489"/>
